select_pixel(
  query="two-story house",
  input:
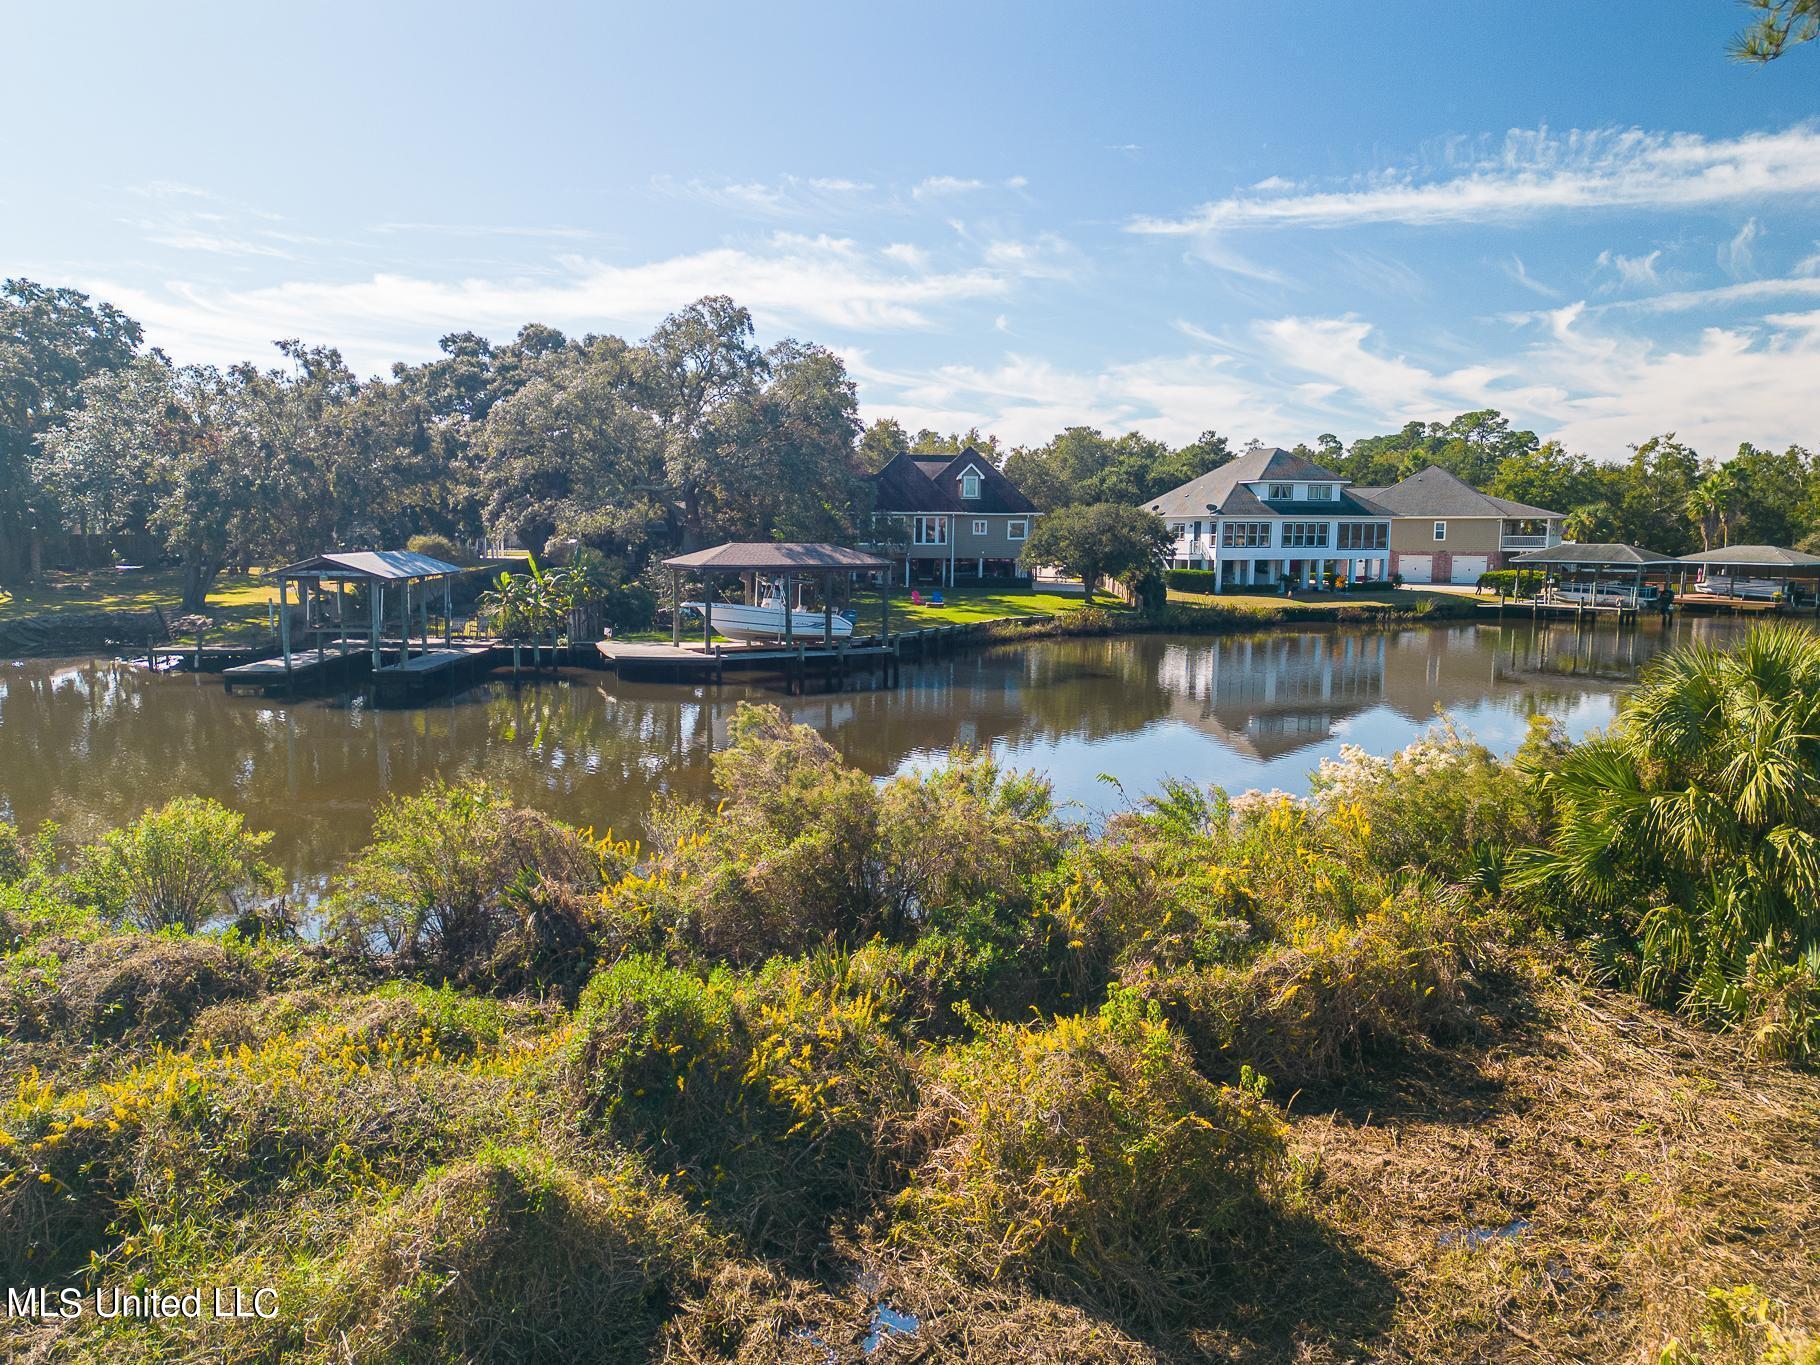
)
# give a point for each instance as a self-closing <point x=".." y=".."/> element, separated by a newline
<point x="1443" y="530"/>
<point x="1270" y="517"/>
<point x="953" y="517"/>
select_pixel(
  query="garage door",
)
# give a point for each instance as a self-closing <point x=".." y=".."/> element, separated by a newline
<point x="1416" y="568"/>
<point x="1467" y="568"/>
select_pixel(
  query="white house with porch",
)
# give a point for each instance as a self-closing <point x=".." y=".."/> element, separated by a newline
<point x="1270" y="517"/>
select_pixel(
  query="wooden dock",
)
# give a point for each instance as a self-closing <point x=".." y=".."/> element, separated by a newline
<point x="798" y="663"/>
<point x="443" y="669"/>
<point x="1539" y="608"/>
<point x="308" y="672"/>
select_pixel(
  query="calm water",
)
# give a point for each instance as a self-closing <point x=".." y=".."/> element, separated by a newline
<point x="91" y="743"/>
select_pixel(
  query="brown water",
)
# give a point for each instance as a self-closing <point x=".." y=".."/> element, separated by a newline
<point x="91" y="743"/>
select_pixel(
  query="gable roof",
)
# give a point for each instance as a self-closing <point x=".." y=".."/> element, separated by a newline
<point x="1436" y="492"/>
<point x="1222" y="490"/>
<point x="1755" y="557"/>
<point x="809" y="555"/>
<point x="1600" y="555"/>
<point x="390" y="565"/>
<point x="912" y="483"/>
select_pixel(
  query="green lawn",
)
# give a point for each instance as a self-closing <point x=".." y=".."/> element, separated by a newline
<point x="236" y="600"/>
<point x="1406" y="598"/>
<point x="963" y="604"/>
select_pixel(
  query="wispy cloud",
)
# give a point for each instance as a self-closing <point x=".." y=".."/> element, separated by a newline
<point x="1737" y="257"/>
<point x="1632" y="271"/>
<point x="1533" y="172"/>
<point x="790" y="196"/>
<point x="788" y="280"/>
<point x="484" y="230"/>
<point x="947" y="186"/>
<point x="1517" y="271"/>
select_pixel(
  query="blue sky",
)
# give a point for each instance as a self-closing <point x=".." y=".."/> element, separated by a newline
<point x="1269" y="220"/>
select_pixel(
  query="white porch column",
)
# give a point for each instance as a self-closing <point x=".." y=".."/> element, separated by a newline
<point x="1218" y="570"/>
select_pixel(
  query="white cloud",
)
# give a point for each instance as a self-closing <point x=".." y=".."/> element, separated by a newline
<point x="1747" y="291"/>
<point x="788" y="280"/>
<point x="788" y="197"/>
<point x="1046" y="256"/>
<point x="1632" y="270"/>
<point x="1737" y="257"/>
<point x="938" y="186"/>
<point x="1533" y="172"/>
<point x="1026" y="399"/>
<point x="1515" y="269"/>
<point x="946" y="186"/>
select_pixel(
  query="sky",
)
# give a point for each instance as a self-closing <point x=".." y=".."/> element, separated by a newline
<point x="1267" y="220"/>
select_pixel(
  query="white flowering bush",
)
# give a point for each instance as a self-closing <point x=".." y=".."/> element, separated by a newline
<point x="1444" y="803"/>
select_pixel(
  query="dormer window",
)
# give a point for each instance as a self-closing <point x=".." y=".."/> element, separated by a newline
<point x="1280" y="492"/>
<point x="1321" y="492"/>
<point x="970" y="484"/>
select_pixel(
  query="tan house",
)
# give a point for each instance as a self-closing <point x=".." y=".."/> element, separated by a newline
<point x="950" y="517"/>
<point x="1443" y="530"/>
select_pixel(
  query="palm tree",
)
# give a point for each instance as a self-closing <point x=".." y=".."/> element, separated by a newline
<point x="1712" y="503"/>
<point x="1688" y="838"/>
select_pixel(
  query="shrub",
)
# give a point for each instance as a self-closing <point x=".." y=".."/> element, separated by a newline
<point x="1512" y="582"/>
<point x="804" y="851"/>
<point x="1686" y="841"/>
<point x="439" y="547"/>
<point x="13" y="864"/>
<point x="777" y="1098"/>
<point x="1192" y="580"/>
<point x="176" y="866"/>
<point x="206" y="1134"/>
<point x="1335" y="993"/>
<point x="1444" y="803"/>
<point x="1089" y="1153"/>
<point x="459" y="883"/>
<point x="147" y="987"/>
<point x="511" y="1255"/>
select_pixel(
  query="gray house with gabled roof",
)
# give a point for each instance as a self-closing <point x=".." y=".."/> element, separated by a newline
<point x="1271" y="517"/>
<point x="951" y="517"/>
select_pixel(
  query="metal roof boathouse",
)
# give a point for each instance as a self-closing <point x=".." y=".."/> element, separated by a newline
<point x="324" y="584"/>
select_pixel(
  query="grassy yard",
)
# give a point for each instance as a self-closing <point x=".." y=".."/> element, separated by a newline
<point x="965" y="604"/>
<point x="1405" y="598"/>
<point x="236" y="600"/>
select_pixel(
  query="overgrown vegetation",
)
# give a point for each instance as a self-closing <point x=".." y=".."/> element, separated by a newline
<point x="1342" y="1076"/>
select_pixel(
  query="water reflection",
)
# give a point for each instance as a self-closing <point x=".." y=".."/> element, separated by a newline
<point x="90" y="744"/>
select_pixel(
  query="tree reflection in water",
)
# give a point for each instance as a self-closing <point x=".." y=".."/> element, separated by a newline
<point x="92" y="743"/>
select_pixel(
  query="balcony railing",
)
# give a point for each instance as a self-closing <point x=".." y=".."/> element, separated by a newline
<point x="1535" y="542"/>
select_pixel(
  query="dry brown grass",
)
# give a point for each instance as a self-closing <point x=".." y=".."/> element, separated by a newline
<point x="1650" y="1163"/>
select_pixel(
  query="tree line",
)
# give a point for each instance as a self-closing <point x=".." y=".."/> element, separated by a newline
<point x="692" y="435"/>
<point x="1664" y="495"/>
<point x="637" y="449"/>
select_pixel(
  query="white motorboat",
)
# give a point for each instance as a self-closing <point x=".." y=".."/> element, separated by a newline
<point x="737" y="621"/>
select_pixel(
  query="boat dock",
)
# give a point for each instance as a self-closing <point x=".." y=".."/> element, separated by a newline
<point x="1552" y="608"/>
<point x="440" y="670"/>
<point x="798" y="663"/>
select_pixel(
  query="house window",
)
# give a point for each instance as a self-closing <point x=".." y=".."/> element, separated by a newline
<point x="931" y="531"/>
<point x="1280" y="492"/>
<point x="1245" y="535"/>
<point x="1440" y="530"/>
<point x="1364" y="535"/>
<point x="970" y="485"/>
<point x="979" y="527"/>
<point x="1321" y="492"/>
<point x="1017" y="530"/>
<point x="1304" y="535"/>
